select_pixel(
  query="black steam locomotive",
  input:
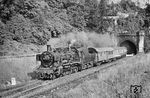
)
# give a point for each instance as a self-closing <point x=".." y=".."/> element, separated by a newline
<point x="62" y="61"/>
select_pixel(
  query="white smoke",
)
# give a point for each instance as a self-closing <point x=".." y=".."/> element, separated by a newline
<point x="84" y="39"/>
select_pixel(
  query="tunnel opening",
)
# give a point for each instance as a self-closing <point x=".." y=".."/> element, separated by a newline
<point x="131" y="47"/>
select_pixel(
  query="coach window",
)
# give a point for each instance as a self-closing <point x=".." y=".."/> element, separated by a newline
<point x="101" y="53"/>
<point x="111" y="52"/>
<point x="117" y="51"/>
<point x="107" y="52"/>
<point x="104" y="52"/>
<point x="121" y="51"/>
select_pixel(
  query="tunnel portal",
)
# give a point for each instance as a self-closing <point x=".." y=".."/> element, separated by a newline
<point x="131" y="47"/>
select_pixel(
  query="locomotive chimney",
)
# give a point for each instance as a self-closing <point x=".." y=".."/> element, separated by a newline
<point x="49" y="48"/>
<point x="69" y="44"/>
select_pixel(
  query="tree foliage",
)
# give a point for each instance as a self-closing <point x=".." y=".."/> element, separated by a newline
<point x="33" y="21"/>
<point x="76" y="16"/>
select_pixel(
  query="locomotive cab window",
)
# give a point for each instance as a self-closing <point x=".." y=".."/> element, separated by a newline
<point x="109" y="52"/>
<point x="103" y="53"/>
<point x="100" y="53"/>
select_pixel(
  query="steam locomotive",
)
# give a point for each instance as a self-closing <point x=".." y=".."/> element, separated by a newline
<point x="63" y="61"/>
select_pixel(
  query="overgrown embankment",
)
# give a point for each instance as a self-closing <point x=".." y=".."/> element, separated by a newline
<point x="16" y="67"/>
<point x="114" y="82"/>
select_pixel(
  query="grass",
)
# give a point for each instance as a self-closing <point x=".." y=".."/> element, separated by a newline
<point x="16" y="67"/>
<point x="115" y="82"/>
<point x="110" y="83"/>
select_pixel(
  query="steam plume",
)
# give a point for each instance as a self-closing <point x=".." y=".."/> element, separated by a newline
<point x="85" y="39"/>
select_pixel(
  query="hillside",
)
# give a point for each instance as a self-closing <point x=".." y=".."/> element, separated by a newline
<point x="27" y="25"/>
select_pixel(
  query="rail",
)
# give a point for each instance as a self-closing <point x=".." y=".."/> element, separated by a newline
<point x="20" y="88"/>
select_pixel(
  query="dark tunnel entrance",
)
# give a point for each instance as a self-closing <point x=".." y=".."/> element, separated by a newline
<point x="131" y="48"/>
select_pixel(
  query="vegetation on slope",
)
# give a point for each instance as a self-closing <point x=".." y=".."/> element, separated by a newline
<point x="30" y="23"/>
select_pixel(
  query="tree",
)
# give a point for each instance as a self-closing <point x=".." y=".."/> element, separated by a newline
<point x="76" y="15"/>
<point x="90" y="8"/>
<point x="101" y="12"/>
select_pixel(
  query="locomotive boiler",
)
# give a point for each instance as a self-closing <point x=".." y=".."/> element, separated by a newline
<point x="61" y="61"/>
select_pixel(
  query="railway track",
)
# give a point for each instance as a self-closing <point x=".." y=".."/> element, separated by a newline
<point x="39" y="87"/>
<point x="19" y="88"/>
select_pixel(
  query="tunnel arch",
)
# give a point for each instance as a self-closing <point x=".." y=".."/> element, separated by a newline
<point x="131" y="47"/>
